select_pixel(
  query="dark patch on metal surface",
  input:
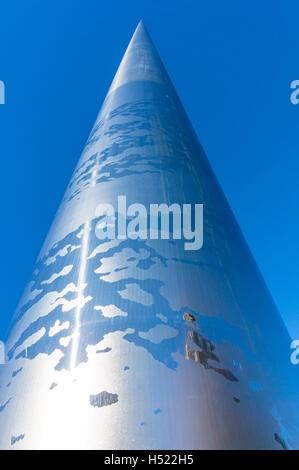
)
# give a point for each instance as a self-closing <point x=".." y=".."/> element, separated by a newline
<point x="237" y="400"/>
<point x="189" y="317"/>
<point x="103" y="399"/>
<point x="53" y="385"/>
<point x="15" y="439"/>
<point x="280" y="441"/>
<point x="5" y="404"/>
<point x="104" y="350"/>
<point x="205" y="354"/>
<point x="202" y="342"/>
<point x="16" y="372"/>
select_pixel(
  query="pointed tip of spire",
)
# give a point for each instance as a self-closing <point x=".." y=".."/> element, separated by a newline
<point x="141" y="24"/>
<point x="141" y="61"/>
<point x="140" y="32"/>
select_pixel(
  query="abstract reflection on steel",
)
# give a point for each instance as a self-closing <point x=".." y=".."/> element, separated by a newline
<point x="140" y="344"/>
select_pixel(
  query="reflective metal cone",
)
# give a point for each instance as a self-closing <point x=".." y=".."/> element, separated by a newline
<point x="141" y="343"/>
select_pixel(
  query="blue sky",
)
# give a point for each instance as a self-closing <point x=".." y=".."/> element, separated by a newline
<point x="232" y="64"/>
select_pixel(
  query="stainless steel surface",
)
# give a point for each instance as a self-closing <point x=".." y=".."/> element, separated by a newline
<point x="140" y="344"/>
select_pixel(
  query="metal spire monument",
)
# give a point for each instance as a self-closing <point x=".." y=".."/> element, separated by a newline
<point x="139" y="343"/>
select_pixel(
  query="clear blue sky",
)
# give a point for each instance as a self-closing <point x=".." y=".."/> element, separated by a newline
<point x="231" y="62"/>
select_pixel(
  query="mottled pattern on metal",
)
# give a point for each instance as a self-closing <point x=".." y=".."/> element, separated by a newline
<point x="132" y="344"/>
